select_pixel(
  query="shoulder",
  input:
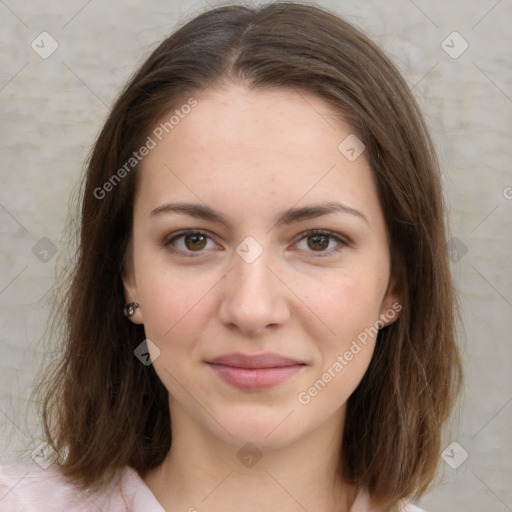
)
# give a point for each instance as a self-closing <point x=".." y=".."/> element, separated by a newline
<point x="412" y="508"/>
<point x="28" y="487"/>
<point x="409" y="507"/>
<point x="31" y="488"/>
<point x="362" y="504"/>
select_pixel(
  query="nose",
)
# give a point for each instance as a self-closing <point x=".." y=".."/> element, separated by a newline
<point x="254" y="298"/>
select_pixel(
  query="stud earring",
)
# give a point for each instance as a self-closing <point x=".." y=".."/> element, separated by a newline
<point x="129" y="309"/>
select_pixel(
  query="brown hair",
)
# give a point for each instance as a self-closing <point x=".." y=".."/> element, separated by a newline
<point x="103" y="409"/>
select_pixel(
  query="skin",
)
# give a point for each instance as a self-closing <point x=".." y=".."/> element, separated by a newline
<point x="250" y="155"/>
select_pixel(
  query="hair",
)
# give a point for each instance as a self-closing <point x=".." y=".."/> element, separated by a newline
<point x="102" y="409"/>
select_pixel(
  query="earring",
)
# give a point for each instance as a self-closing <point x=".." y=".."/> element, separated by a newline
<point x="129" y="309"/>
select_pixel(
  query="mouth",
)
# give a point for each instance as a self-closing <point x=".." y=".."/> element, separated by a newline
<point x="255" y="372"/>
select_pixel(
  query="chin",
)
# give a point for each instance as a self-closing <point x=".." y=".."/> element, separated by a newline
<point x="266" y="431"/>
<point x="244" y="439"/>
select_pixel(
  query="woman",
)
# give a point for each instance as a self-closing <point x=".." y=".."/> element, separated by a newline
<point x="261" y="315"/>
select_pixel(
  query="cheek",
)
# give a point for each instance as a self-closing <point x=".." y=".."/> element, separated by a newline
<point x="348" y="300"/>
<point x="350" y="306"/>
<point x="176" y="301"/>
<point x="173" y="305"/>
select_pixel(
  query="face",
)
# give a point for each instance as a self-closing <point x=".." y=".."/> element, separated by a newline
<point x="257" y="265"/>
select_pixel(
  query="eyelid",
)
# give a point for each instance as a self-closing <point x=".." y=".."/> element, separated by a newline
<point x="343" y="241"/>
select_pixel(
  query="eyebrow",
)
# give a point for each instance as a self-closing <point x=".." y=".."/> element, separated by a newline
<point x="286" y="217"/>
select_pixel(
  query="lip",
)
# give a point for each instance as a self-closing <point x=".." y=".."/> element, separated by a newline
<point x="255" y="372"/>
<point x="265" y="360"/>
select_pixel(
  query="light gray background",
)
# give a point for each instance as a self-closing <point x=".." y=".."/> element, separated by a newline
<point x="52" y="108"/>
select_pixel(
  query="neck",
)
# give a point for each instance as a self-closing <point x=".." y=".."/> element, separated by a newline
<point x="202" y="473"/>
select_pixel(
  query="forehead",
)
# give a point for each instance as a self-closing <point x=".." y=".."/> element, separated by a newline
<point x="278" y="120"/>
<point x="259" y="147"/>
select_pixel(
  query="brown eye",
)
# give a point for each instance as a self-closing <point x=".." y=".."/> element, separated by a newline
<point x="195" y="242"/>
<point x="318" y="242"/>
<point x="321" y="243"/>
<point x="191" y="243"/>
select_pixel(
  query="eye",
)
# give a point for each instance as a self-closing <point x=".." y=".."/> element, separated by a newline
<point x="187" y="243"/>
<point x="317" y="241"/>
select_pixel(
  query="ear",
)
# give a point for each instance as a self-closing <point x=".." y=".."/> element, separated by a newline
<point x="130" y="287"/>
<point x="391" y="304"/>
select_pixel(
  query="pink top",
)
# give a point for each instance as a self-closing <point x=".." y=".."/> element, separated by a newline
<point x="30" y="488"/>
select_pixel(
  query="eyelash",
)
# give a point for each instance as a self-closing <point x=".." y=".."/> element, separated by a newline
<point x="319" y="254"/>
